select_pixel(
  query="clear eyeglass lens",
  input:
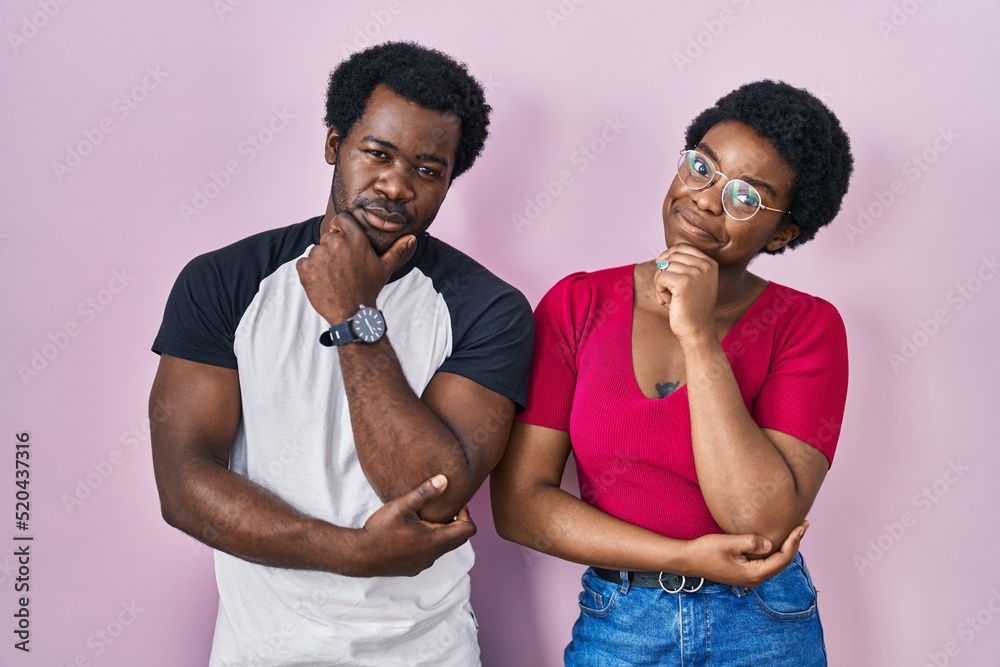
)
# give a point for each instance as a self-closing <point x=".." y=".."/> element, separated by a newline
<point x="695" y="170"/>
<point x="740" y="199"/>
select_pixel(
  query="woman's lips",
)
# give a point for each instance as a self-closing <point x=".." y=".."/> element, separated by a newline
<point x="688" y="226"/>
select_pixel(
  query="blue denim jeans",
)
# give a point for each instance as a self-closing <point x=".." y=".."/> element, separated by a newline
<point x="775" y="624"/>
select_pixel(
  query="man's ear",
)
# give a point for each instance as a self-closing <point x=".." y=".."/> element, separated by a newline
<point x="331" y="146"/>
<point x="787" y="233"/>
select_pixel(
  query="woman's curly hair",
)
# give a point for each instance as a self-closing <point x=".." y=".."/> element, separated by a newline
<point x="806" y="134"/>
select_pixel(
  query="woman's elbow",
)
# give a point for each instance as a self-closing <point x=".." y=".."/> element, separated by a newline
<point x="774" y="526"/>
<point x="504" y="502"/>
<point x="505" y="529"/>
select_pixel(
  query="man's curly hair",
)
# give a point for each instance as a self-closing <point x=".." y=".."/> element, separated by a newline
<point x="426" y="76"/>
<point x="806" y="134"/>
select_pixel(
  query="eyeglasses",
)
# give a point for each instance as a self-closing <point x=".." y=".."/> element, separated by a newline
<point x="740" y="200"/>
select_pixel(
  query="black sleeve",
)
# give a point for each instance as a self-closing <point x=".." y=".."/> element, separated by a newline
<point x="494" y="336"/>
<point x="214" y="290"/>
<point x="199" y="322"/>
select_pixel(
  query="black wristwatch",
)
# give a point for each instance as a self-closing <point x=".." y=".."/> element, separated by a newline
<point x="367" y="326"/>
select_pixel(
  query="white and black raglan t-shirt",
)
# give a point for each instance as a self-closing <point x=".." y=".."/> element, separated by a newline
<point x="243" y="307"/>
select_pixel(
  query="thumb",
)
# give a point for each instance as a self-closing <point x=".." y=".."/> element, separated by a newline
<point x="757" y="545"/>
<point x="794" y="538"/>
<point x="392" y="258"/>
<point x="418" y="498"/>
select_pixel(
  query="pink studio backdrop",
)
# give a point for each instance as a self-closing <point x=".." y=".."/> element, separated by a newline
<point x="117" y="114"/>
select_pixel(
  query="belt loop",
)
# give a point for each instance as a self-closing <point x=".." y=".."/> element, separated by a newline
<point x="626" y="581"/>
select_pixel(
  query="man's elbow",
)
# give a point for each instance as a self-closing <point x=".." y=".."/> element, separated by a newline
<point x="463" y="484"/>
<point x="171" y="515"/>
<point x="442" y="513"/>
<point x="175" y="501"/>
<point x="171" y="508"/>
<point x="457" y="495"/>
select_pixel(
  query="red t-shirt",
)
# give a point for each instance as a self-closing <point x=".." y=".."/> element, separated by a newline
<point x="634" y="454"/>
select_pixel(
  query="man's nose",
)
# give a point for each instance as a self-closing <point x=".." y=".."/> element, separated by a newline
<point x="394" y="182"/>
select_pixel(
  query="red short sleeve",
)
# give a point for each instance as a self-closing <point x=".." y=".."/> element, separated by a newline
<point x="806" y="386"/>
<point x="560" y="321"/>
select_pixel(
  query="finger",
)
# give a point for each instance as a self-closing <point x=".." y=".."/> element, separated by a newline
<point x="680" y="261"/>
<point x="393" y="257"/>
<point x="685" y="249"/>
<point x="464" y="516"/>
<point x="346" y="223"/>
<point x="686" y="255"/>
<point x="661" y="275"/>
<point x="305" y="267"/>
<point x="791" y="544"/>
<point x="457" y="532"/>
<point x="661" y="280"/>
<point x="756" y="545"/>
<point x="779" y="560"/>
<point x="419" y="497"/>
<point x="666" y="283"/>
<point x="333" y="233"/>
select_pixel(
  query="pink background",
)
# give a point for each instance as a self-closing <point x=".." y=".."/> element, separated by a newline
<point x="907" y="79"/>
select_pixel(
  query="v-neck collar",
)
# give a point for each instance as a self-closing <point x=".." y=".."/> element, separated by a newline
<point x="682" y="389"/>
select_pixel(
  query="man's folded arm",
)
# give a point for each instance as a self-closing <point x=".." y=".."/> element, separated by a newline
<point x="191" y="440"/>
<point x="456" y="427"/>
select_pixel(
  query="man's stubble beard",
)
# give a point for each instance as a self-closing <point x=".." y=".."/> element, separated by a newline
<point x="340" y="205"/>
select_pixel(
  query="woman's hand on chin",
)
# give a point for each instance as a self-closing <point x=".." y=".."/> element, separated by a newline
<point x="688" y="287"/>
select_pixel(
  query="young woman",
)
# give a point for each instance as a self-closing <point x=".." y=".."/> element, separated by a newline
<point x="702" y="404"/>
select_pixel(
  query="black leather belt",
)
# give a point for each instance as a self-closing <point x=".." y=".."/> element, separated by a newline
<point x="671" y="583"/>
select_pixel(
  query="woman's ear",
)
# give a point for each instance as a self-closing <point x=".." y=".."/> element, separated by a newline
<point x="787" y="233"/>
<point x="332" y="144"/>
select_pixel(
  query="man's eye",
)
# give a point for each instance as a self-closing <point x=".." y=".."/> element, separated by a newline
<point x="428" y="171"/>
<point x="376" y="153"/>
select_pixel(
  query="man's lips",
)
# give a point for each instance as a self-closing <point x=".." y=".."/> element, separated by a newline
<point x="384" y="220"/>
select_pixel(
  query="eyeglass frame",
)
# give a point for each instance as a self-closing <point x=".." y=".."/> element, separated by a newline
<point x="730" y="180"/>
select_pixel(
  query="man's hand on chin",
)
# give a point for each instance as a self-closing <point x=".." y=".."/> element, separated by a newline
<point x="343" y="272"/>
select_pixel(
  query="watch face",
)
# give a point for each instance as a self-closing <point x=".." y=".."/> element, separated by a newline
<point x="368" y="324"/>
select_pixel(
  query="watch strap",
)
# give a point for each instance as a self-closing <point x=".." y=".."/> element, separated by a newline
<point x="338" y="334"/>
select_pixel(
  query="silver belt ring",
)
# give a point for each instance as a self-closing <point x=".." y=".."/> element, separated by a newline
<point x="679" y="588"/>
<point x="683" y="584"/>
<point x="701" y="582"/>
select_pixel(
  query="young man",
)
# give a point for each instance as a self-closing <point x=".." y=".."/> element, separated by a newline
<point x="342" y="387"/>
